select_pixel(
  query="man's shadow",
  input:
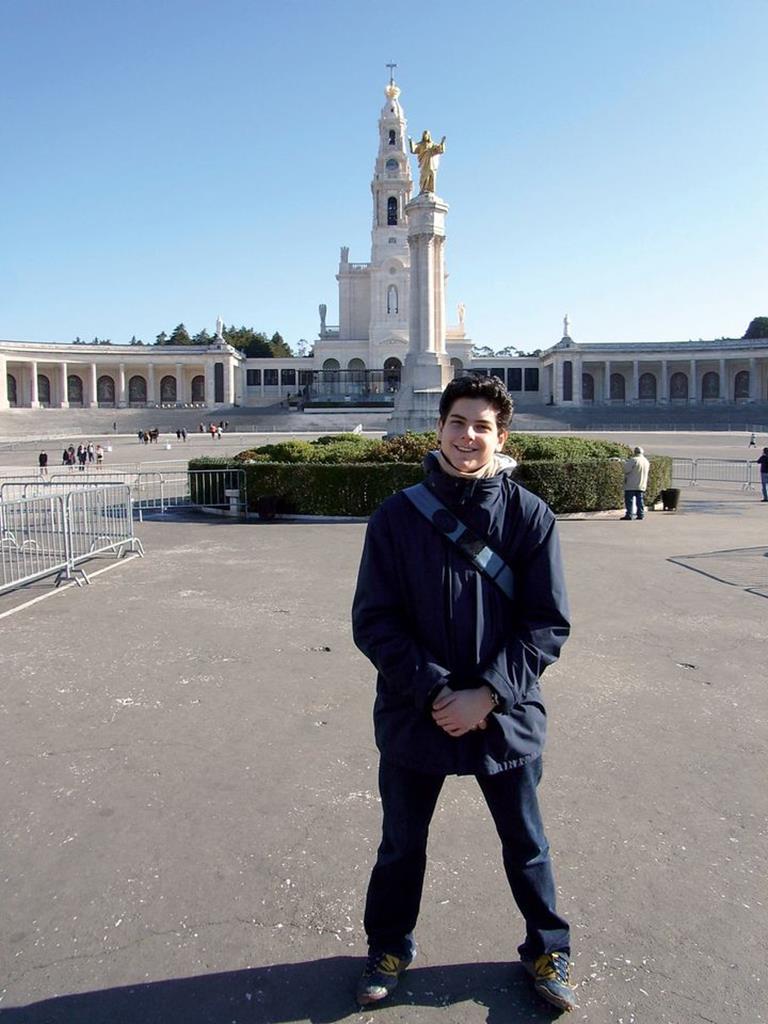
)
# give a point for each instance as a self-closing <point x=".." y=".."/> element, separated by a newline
<point x="317" y="991"/>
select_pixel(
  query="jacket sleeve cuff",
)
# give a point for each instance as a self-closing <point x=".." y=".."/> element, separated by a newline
<point x="497" y="682"/>
<point x="429" y="683"/>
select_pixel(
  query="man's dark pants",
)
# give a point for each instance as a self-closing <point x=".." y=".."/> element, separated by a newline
<point x="394" y="893"/>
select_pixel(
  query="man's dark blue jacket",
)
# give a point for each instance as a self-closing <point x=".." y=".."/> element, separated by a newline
<point x="426" y="617"/>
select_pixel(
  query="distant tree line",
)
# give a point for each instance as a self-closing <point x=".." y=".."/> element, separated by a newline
<point x="249" y="341"/>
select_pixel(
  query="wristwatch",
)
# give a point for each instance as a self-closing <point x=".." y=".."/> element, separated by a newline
<point x="495" y="698"/>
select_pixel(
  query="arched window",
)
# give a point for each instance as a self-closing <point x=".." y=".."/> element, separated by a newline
<point x="43" y="389"/>
<point x="74" y="389"/>
<point x="567" y="380"/>
<point x="741" y="385"/>
<point x="393" y="303"/>
<point x="198" y="388"/>
<point x="12" y="391"/>
<point x="678" y="387"/>
<point x="618" y="387"/>
<point x="710" y="385"/>
<point x="457" y="366"/>
<point x="168" y="389"/>
<point x="356" y="369"/>
<point x="587" y="387"/>
<point x="105" y="390"/>
<point x="647" y="386"/>
<point x="392" y="136"/>
<point x="330" y="371"/>
<point x="391" y="211"/>
<point x="392" y="373"/>
<point x="137" y="391"/>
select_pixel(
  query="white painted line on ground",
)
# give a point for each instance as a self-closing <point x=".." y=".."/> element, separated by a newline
<point x="66" y="586"/>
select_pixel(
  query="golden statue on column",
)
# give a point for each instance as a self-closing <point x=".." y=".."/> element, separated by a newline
<point x="428" y="154"/>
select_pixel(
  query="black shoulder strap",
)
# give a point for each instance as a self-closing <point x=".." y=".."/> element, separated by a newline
<point x="472" y="547"/>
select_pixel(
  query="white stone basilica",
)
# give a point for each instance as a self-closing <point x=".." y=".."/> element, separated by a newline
<point x="359" y="360"/>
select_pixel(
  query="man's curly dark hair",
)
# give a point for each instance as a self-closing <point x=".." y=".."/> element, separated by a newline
<point x="492" y="389"/>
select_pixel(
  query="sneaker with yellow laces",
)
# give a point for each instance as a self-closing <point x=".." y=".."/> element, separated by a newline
<point x="380" y="976"/>
<point x="551" y="975"/>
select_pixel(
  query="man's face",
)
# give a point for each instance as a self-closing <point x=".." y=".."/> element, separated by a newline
<point x="469" y="437"/>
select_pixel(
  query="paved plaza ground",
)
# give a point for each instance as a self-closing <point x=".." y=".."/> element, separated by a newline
<point x="189" y="809"/>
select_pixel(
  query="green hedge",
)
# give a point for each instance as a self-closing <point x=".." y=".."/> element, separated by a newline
<point x="352" y="448"/>
<point x="324" y="490"/>
<point x="356" y="490"/>
<point x="588" y="486"/>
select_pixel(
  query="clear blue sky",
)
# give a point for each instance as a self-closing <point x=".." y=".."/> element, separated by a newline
<point x="173" y="160"/>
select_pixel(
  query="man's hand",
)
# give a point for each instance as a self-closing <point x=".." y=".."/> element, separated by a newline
<point x="460" y="711"/>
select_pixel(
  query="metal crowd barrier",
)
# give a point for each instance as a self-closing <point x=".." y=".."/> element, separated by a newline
<point x="691" y="472"/>
<point x="220" y="489"/>
<point x="53" y="534"/>
<point x="684" y="471"/>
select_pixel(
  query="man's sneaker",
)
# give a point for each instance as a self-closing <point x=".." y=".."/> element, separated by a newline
<point x="551" y="975"/>
<point x="380" y="976"/>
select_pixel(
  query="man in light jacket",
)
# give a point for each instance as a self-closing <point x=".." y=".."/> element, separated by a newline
<point x="635" y="484"/>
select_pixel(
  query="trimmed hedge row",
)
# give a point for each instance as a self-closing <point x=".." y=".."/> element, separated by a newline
<point x="323" y="490"/>
<point x="358" y="489"/>
<point x="588" y="486"/>
<point x="352" y="448"/>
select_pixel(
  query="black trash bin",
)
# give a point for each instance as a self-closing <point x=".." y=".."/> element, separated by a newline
<point x="670" y="499"/>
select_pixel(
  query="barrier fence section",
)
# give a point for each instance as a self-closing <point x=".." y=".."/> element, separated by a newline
<point x="223" y="490"/>
<point x="53" y="534"/>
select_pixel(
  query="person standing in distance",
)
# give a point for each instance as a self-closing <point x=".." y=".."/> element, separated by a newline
<point x="457" y="693"/>
<point x="763" y="463"/>
<point x="636" y="469"/>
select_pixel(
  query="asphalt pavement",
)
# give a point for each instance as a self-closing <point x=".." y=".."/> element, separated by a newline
<point x="189" y="807"/>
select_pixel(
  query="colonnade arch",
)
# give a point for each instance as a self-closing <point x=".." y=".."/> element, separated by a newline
<point x="618" y="388"/>
<point x="13" y="391"/>
<point x="393" y="370"/>
<point x="168" y="389"/>
<point x="43" y="389"/>
<point x="710" y="385"/>
<point x="137" y="390"/>
<point x="646" y="387"/>
<point x="105" y="390"/>
<point x="75" y="389"/>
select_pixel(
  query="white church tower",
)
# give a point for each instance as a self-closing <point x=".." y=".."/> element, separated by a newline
<point x="374" y="299"/>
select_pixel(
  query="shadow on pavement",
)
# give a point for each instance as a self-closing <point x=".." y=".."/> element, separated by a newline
<point x="317" y="991"/>
<point x="746" y="568"/>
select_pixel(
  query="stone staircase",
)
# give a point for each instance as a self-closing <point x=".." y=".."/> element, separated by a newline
<point x="51" y="423"/>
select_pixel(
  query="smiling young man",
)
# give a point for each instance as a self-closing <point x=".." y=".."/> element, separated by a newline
<point x="459" y="663"/>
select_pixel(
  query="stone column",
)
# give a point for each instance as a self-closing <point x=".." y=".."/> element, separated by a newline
<point x="94" y="390"/>
<point x="754" y="383"/>
<point x="664" y="380"/>
<point x="34" y="400"/>
<point x="64" y="397"/>
<point x="179" y="382"/>
<point x="209" y="383"/>
<point x="723" y="381"/>
<point x="578" y="388"/>
<point x="229" y="382"/>
<point x="4" y="404"/>
<point x="693" y="394"/>
<point x="151" y="389"/>
<point x="635" y="380"/>
<point x="121" y="396"/>
<point x="427" y="367"/>
<point x="607" y="381"/>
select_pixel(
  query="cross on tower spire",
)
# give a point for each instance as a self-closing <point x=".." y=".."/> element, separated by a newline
<point x="391" y="72"/>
